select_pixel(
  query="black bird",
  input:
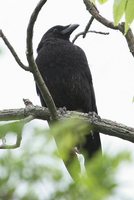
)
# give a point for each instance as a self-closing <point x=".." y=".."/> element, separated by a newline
<point x="66" y="72"/>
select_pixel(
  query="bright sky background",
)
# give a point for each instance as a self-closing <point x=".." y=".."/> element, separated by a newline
<point x="109" y="58"/>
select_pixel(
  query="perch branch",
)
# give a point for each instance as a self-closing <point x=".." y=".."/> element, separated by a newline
<point x="104" y="126"/>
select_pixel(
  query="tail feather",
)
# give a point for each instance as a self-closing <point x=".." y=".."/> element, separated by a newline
<point x="92" y="144"/>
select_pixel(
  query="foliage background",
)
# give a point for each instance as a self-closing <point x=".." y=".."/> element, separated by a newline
<point x="35" y="170"/>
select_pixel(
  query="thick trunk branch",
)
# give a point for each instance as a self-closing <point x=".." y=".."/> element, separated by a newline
<point x="104" y="126"/>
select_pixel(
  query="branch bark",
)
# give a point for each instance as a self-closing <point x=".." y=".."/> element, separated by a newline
<point x="104" y="126"/>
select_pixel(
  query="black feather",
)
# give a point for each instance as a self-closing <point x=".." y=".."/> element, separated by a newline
<point x="66" y="72"/>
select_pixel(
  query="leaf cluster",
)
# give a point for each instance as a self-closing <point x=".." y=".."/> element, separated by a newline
<point x="35" y="171"/>
<point x="122" y="8"/>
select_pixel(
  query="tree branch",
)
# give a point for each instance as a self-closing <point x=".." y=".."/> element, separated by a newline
<point x="95" y="13"/>
<point x="29" y="53"/>
<point x="88" y="26"/>
<point x="32" y="65"/>
<point x="82" y="34"/>
<point x="130" y="40"/>
<point x="7" y="43"/>
<point x="104" y="126"/>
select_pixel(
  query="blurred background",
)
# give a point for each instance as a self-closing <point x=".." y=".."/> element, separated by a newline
<point x="112" y="69"/>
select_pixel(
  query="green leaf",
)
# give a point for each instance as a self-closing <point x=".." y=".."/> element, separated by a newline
<point x="118" y="10"/>
<point x="129" y="14"/>
<point x="15" y="127"/>
<point x="72" y="131"/>
<point x="102" y="1"/>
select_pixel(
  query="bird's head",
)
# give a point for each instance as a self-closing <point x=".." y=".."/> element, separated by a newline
<point x="62" y="32"/>
<point x="57" y="32"/>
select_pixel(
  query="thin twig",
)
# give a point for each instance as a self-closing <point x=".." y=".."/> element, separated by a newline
<point x="88" y="26"/>
<point x="82" y="33"/>
<point x="13" y="51"/>
<point x="38" y="78"/>
<point x="99" y="32"/>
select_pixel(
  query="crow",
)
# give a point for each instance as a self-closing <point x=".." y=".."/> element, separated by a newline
<point x="65" y="70"/>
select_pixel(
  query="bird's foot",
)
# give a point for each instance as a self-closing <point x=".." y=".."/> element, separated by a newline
<point x="62" y="110"/>
<point x="94" y="116"/>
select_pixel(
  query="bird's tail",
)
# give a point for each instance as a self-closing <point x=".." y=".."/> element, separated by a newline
<point x="91" y="144"/>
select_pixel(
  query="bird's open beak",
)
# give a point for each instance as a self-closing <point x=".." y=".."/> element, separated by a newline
<point x="69" y="29"/>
